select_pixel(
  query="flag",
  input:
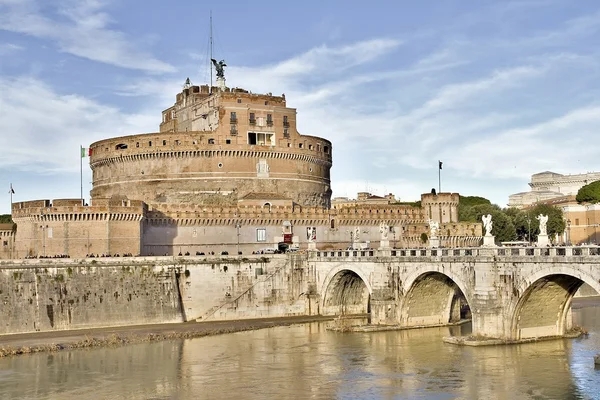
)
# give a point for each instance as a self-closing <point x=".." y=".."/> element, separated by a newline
<point x="11" y="191"/>
<point x="440" y="164"/>
<point x="83" y="151"/>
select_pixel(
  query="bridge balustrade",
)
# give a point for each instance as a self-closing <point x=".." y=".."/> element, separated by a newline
<point x="467" y="252"/>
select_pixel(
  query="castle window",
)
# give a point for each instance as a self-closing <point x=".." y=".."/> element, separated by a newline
<point x="261" y="139"/>
<point x="239" y="100"/>
<point x="172" y="114"/>
<point x="227" y="141"/>
<point x="333" y="224"/>
<point x="269" y="119"/>
<point x="137" y="144"/>
<point x="5" y="243"/>
<point x="164" y="142"/>
<point x="326" y="149"/>
<point x="267" y="207"/>
<point x="286" y="123"/>
<point x="150" y="143"/>
<point x="233" y="130"/>
<point x="300" y="145"/>
<point x="177" y="142"/>
<point x="211" y="141"/>
<point x="220" y="165"/>
<point x="164" y="117"/>
<point x="286" y="133"/>
<point x="318" y="147"/>
<point x="121" y="146"/>
<point x="252" y="119"/>
<point x="310" y="146"/>
<point x="233" y="118"/>
<point x="261" y="234"/>
<point x="266" y="103"/>
<point x="289" y="144"/>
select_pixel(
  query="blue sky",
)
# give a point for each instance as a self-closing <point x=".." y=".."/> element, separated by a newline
<point x="497" y="90"/>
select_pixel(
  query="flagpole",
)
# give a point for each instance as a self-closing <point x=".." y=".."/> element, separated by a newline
<point x="81" y="170"/>
<point x="439" y="176"/>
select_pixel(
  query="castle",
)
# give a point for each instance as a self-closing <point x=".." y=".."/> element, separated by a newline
<point x="227" y="172"/>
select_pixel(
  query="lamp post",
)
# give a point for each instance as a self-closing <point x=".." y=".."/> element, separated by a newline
<point x="237" y="227"/>
<point x="568" y="232"/>
<point x="528" y="230"/>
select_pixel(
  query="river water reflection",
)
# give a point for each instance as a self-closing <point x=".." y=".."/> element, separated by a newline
<point x="309" y="362"/>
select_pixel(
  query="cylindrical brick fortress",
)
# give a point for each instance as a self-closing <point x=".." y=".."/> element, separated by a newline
<point x="182" y="167"/>
<point x="216" y="146"/>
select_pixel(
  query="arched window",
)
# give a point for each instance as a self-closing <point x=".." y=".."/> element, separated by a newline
<point x="267" y="207"/>
<point x="121" y="146"/>
<point x="332" y="223"/>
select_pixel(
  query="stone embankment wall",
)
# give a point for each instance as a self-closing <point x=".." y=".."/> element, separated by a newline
<point x="62" y="294"/>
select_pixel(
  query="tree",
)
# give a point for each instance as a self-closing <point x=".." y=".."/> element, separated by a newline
<point x="556" y="222"/>
<point x="589" y="193"/>
<point x="503" y="228"/>
<point x="466" y="202"/>
<point x="6" y="219"/>
<point x="521" y="221"/>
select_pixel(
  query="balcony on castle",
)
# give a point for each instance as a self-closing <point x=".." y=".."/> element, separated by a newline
<point x="286" y="124"/>
<point x="233" y="121"/>
<point x="252" y="121"/>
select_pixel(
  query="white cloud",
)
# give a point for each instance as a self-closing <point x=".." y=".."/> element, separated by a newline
<point x="41" y="124"/>
<point x="84" y="31"/>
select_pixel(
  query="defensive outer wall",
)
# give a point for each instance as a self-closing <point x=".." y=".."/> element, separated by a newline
<point x="513" y="294"/>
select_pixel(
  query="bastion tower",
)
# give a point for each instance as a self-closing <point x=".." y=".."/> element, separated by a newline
<point x="215" y="146"/>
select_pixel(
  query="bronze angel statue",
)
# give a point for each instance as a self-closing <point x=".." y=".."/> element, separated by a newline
<point x="219" y="66"/>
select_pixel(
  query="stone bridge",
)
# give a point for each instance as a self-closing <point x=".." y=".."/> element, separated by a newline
<point x="512" y="293"/>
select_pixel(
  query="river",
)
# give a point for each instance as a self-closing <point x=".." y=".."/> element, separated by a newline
<point x="310" y="362"/>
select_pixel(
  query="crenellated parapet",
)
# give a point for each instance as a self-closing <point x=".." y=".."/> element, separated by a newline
<point x="440" y="207"/>
<point x="68" y="227"/>
<point x="72" y="210"/>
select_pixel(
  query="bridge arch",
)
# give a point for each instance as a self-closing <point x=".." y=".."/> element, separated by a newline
<point x="433" y="297"/>
<point x="346" y="290"/>
<point x="544" y="301"/>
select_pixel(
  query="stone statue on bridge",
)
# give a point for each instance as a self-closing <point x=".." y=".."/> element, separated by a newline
<point x="487" y="224"/>
<point x="356" y="234"/>
<point x="384" y="229"/>
<point x="543" y="221"/>
<point x="434" y="227"/>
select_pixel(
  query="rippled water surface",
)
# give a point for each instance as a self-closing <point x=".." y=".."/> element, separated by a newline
<point x="309" y="362"/>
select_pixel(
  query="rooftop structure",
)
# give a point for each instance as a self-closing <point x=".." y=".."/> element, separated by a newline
<point x="549" y="185"/>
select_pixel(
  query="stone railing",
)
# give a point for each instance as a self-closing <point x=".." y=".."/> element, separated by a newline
<point x="574" y="251"/>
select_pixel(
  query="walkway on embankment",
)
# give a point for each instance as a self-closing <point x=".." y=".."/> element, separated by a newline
<point x="64" y="340"/>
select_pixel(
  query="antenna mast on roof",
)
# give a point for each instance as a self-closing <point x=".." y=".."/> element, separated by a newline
<point x="211" y="53"/>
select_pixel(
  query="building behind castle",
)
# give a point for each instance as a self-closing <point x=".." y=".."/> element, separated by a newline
<point x="227" y="172"/>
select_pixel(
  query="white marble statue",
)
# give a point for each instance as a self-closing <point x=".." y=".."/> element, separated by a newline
<point x="311" y="234"/>
<point x="384" y="229"/>
<point x="487" y="224"/>
<point x="434" y="227"/>
<point x="543" y="221"/>
<point x="356" y="234"/>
